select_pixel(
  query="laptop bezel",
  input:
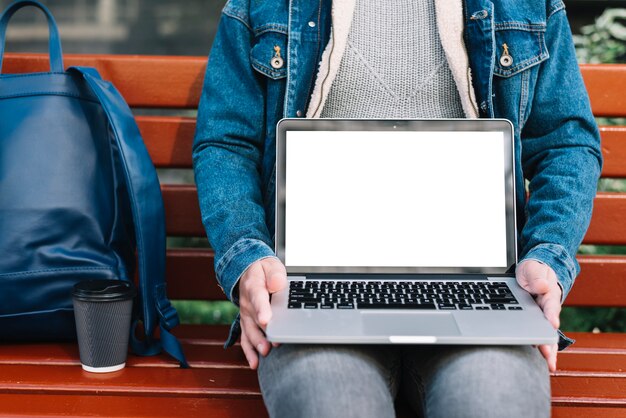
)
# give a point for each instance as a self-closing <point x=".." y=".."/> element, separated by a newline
<point x="482" y="125"/>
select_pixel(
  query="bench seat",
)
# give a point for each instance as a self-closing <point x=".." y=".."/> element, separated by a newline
<point x="44" y="380"/>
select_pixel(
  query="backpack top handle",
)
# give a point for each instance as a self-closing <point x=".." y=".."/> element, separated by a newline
<point x="54" y="45"/>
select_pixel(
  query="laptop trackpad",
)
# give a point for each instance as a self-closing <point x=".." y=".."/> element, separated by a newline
<point x="409" y="324"/>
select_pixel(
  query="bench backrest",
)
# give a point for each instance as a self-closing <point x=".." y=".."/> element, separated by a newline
<point x="174" y="83"/>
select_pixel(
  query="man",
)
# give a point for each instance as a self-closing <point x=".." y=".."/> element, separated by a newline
<point x="403" y="59"/>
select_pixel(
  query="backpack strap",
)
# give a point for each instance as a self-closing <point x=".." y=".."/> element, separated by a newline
<point x="148" y="216"/>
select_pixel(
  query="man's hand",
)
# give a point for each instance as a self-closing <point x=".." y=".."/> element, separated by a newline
<point x="540" y="280"/>
<point x="262" y="278"/>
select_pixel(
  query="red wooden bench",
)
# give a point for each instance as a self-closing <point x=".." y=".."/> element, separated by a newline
<point x="46" y="379"/>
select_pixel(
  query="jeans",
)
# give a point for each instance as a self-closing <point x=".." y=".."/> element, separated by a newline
<point x="438" y="381"/>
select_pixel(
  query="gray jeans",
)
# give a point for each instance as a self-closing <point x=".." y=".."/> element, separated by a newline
<point x="438" y="381"/>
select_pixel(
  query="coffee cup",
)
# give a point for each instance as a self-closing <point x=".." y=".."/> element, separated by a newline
<point x="103" y="310"/>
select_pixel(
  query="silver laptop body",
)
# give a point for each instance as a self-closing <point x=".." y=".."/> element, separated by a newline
<point x="399" y="231"/>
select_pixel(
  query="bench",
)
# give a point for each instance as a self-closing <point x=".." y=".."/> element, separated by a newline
<point x="46" y="379"/>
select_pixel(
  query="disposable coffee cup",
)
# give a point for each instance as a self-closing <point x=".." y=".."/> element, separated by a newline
<point x="103" y="309"/>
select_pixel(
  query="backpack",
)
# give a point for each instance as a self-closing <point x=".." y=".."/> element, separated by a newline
<point x="79" y="199"/>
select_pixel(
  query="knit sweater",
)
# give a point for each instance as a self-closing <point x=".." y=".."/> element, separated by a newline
<point x="394" y="65"/>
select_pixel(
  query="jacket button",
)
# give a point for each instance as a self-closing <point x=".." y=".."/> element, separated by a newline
<point x="311" y="24"/>
<point x="299" y="113"/>
<point x="277" y="63"/>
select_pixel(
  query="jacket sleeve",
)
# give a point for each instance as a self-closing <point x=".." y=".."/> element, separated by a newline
<point x="561" y="158"/>
<point x="227" y="153"/>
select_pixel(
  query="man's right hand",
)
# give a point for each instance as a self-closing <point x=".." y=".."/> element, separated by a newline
<point x="262" y="278"/>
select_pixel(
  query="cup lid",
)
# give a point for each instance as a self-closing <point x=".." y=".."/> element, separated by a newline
<point x="104" y="290"/>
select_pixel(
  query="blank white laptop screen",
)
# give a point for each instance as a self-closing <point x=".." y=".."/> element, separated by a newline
<point x="395" y="199"/>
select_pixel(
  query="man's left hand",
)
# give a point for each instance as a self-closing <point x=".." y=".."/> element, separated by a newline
<point x="540" y="281"/>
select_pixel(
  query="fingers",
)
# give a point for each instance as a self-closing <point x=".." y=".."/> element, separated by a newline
<point x="549" y="352"/>
<point x="550" y="304"/>
<point x="249" y="351"/>
<point x="540" y="280"/>
<point x="258" y="281"/>
<point x="253" y="341"/>
<point x="254" y="299"/>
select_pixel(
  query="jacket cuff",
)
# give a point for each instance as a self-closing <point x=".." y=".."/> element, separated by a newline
<point x="557" y="258"/>
<point x="236" y="261"/>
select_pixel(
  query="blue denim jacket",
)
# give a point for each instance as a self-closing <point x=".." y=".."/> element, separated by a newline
<point x="542" y="93"/>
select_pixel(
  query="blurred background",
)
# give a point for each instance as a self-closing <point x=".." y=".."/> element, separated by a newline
<point x="187" y="27"/>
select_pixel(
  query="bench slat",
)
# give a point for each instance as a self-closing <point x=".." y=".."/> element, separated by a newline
<point x="66" y="354"/>
<point x="144" y="81"/>
<point x="589" y="390"/>
<point x="570" y="363"/>
<point x="123" y="406"/>
<point x="41" y="405"/>
<point x="168" y="139"/>
<point x="176" y="82"/>
<point x="148" y="381"/>
<point x="607" y="225"/>
<point x="190" y="275"/>
<point x="606" y="84"/>
<point x="236" y="382"/>
<point x="564" y="411"/>
<point x="602" y="282"/>
<point x="614" y="151"/>
<point x="608" y="222"/>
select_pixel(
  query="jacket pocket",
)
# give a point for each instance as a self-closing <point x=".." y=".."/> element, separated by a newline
<point x="268" y="55"/>
<point x="519" y="46"/>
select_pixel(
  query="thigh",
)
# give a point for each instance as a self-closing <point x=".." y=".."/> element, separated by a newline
<point x="477" y="381"/>
<point x="329" y="380"/>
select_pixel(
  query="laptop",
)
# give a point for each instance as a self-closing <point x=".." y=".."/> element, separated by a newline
<point x="399" y="232"/>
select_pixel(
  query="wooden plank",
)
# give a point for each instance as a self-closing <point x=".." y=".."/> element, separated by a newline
<point x="595" y="390"/>
<point x="66" y="354"/>
<point x="122" y="406"/>
<point x="614" y="151"/>
<point x="190" y="275"/>
<point x="182" y="211"/>
<point x="607" y="227"/>
<point x="590" y="342"/>
<point x="562" y="411"/>
<point x="146" y="381"/>
<point x="203" y="334"/>
<point x="608" y="223"/>
<point x="602" y="282"/>
<point x="580" y="363"/>
<point x="42" y="405"/>
<point x="168" y="139"/>
<point x="175" y="82"/>
<point x="606" y="84"/>
<point x="144" y="81"/>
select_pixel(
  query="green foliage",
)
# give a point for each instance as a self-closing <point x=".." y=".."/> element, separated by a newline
<point x="593" y="319"/>
<point x="603" y="41"/>
<point x="201" y="312"/>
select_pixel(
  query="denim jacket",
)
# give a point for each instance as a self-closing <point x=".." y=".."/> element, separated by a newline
<point x="558" y="158"/>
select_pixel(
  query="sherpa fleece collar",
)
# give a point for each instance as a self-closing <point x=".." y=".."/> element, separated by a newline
<point x="450" y="26"/>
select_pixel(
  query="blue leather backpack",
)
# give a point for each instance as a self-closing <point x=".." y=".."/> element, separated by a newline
<point x="79" y="199"/>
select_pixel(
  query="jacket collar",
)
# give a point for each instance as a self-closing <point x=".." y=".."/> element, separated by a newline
<point x="450" y="26"/>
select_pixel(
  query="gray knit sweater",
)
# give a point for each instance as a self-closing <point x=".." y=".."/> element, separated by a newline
<point x="394" y="65"/>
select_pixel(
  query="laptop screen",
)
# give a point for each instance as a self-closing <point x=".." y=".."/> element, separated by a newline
<point x="372" y="200"/>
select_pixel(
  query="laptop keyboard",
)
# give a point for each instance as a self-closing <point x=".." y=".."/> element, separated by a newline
<point x="465" y="295"/>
